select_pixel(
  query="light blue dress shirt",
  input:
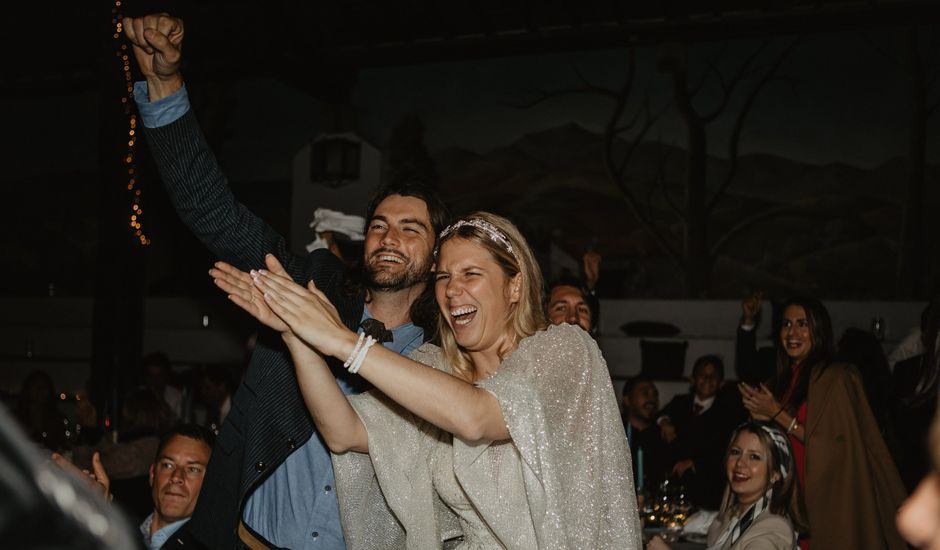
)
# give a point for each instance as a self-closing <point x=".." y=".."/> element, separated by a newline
<point x="287" y="509"/>
<point x="158" y="539"/>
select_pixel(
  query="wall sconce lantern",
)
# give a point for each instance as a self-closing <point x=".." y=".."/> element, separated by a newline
<point x="335" y="161"/>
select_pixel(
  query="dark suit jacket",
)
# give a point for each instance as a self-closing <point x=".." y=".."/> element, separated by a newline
<point x="752" y="365"/>
<point x="268" y="419"/>
<point x="657" y="456"/>
<point x="182" y="539"/>
<point x="704" y="439"/>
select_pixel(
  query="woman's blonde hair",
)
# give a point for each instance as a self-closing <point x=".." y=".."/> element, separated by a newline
<point x="787" y="498"/>
<point x="509" y="249"/>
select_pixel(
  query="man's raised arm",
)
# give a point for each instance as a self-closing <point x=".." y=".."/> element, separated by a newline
<point x="199" y="190"/>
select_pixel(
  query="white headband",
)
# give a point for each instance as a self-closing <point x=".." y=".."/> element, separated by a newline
<point x="491" y="231"/>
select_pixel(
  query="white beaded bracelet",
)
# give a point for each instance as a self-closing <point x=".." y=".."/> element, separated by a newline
<point x="361" y="356"/>
<point x="352" y="356"/>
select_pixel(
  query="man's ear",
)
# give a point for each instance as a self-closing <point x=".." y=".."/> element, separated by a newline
<point x="151" y="475"/>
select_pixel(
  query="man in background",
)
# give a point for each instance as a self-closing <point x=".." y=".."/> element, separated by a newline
<point x="175" y="480"/>
<point x="640" y="409"/>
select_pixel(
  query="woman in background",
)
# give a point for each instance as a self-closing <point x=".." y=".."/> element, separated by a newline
<point x="851" y="485"/>
<point x="761" y="506"/>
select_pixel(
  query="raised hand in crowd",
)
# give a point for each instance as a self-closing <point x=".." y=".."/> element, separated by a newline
<point x="97" y="477"/>
<point x="750" y="308"/>
<point x="157" y="42"/>
<point x="591" y="261"/>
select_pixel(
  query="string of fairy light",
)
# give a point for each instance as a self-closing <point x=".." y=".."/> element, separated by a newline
<point x="136" y="214"/>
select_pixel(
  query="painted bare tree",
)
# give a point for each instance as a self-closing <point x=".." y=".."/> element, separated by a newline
<point x="692" y="248"/>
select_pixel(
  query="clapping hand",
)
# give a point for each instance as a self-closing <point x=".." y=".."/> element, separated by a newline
<point x="307" y="311"/>
<point x="759" y="402"/>
<point x="245" y="294"/>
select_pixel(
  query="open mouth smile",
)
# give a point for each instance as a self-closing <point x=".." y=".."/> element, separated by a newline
<point x="390" y="258"/>
<point x="739" y="477"/>
<point x="463" y="315"/>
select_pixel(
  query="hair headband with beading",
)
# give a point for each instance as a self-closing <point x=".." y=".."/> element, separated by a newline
<point x="782" y="446"/>
<point x="491" y="231"/>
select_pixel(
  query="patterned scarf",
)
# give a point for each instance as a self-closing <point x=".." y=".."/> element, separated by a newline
<point x="737" y="528"/>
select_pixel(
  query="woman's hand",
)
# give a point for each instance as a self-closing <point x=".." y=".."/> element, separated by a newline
<point x="301" y="352"/>
<point x="242" y="290"/>
<point x="657" y="543"/>
<point x="307" y="312"/>
<point x="759" y="402"/>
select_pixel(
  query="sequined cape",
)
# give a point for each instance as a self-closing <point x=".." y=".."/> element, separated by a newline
<point x="575" y="485"/>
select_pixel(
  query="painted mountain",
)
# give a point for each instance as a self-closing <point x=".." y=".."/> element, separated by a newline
<point x="834" y="234"/>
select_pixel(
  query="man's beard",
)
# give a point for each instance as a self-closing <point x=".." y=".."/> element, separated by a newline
<point x="381" y="279"/>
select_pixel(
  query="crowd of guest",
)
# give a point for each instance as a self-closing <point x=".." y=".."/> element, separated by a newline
<point x="483" y="427"/>
<point x="694" y="441"/>
<point x="690" y="441"/>
<point x="125" y="446"/>
<point x="839" y="405"/>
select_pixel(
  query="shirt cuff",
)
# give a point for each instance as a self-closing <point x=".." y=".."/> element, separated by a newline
<point x="161" y="112"/>
<point x="747" y="328"/>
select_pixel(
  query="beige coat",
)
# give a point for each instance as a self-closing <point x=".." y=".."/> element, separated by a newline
<point x="853" y="489"/>
<point x="768" y="532"/>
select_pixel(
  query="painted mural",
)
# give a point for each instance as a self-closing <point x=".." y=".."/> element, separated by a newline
<point x="796" y="164"/>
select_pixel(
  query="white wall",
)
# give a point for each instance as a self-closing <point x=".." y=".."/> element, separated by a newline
<point x="709" y="327"/>
<point x="57" y="332"/>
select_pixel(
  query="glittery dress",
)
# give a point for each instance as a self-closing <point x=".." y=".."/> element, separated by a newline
<point x="563" y="480"/>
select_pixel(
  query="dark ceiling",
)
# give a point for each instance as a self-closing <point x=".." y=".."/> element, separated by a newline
<point x="320" y="46"/>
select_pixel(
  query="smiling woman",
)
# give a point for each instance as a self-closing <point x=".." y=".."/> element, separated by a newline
<point x="851" y="484"/>
<point x="506" y="436"/>
<point x="761" y="505"/>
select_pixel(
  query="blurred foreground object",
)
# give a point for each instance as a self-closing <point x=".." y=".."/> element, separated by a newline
<point x="42" y="506"/>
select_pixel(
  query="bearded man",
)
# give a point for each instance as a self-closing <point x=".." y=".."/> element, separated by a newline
<point x="270" y="482"/>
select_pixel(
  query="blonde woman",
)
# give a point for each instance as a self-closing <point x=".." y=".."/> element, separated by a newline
<point x="761" y="506"/>
<point x="506" y="436"/>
